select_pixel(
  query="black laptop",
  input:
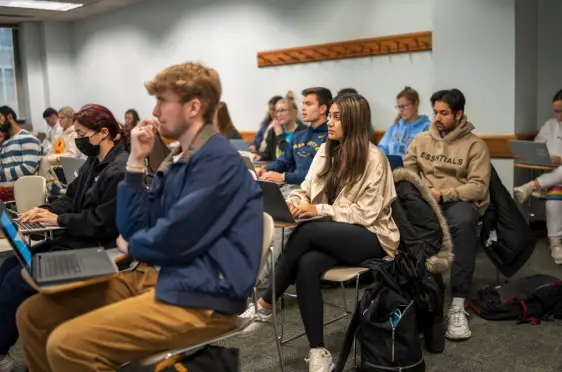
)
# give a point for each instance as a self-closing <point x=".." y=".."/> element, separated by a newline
<point x="276" y="206"/>
<point x="59" y="267"/>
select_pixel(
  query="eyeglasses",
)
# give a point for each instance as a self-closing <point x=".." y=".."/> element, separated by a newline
<point x="281" y="111"/>
<point x="402" y="107"/>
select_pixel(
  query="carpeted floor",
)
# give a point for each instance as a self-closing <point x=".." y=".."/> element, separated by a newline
<point x="494" y="346"/>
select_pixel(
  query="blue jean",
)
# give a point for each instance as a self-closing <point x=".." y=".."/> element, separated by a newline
<point x="13" y="292"/>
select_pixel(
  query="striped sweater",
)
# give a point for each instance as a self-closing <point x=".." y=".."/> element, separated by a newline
<point x="20" y="156"/>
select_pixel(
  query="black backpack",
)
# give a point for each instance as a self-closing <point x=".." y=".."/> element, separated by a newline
<point x="528" y="300"/>
<point x="210" y="358"/>
<point x="384" y="323"/>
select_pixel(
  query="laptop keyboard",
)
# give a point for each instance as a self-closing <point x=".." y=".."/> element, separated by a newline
<point x="60" y="265"/>
<point x="22" y="226"/>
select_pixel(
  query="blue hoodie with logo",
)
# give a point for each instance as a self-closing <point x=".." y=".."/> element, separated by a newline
<point x="398" y="137"/>
<point x="297" y="157"/>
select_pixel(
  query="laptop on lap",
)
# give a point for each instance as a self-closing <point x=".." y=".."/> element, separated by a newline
<point x="276" y="206"/>
<point x="530" y="153"/>
<point x="27" y="228"/>
<point x="60" y="267"/>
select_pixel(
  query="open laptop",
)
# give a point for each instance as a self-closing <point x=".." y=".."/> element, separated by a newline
<point x="530" y="152"/>
<point x="60" y="267"/>
<point x="70" y="167"/>
<point x="27" y="228"/>
<point x="276" y="206"/>
<point x="249" y="163"/>
<point x="240" y="144"/>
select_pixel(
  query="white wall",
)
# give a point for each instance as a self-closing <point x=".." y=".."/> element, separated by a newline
<point x="549" y="57"/>
<point x="474" y="51"/>
<point x="32" y="60"/>
<point x="59" y="65"/>
<point x="116" y="53"/>
<point x="526" y="66"/>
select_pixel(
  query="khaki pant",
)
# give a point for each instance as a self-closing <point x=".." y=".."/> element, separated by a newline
<point x="100" y="327"/>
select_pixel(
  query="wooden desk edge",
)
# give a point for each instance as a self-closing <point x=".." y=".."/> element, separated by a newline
<point x="279" y="225"/>
<point x="537" y="167"/>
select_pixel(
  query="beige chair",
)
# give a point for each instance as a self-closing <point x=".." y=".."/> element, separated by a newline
<point x="241" y="323"/>
<point x="339" y="275"/>
<point x="30" y="192"/>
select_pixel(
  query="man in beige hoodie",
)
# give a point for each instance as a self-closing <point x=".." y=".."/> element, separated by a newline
<point x="455" y="164"/>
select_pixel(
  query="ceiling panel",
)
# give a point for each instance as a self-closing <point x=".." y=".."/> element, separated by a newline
<point x="13" y="16"/>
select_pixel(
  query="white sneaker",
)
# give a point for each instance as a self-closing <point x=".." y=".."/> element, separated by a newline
<point x="457" y="324"/>
<point x="556" y="250"/>
<point x="319" y="360"/>
<point x="523" y="192"/>
<point x="6" y="363"/>
<point x="262" y="315"/>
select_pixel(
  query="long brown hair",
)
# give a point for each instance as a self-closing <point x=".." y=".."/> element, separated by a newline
<point x="224" y="122"/>
<point x="346" y="160"/>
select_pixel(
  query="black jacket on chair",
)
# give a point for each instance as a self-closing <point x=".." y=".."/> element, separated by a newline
<point x="515" y="242"/>
<point x="88" y="209"/>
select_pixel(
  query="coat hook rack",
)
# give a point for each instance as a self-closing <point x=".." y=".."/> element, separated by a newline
<point x="404" y="43"/>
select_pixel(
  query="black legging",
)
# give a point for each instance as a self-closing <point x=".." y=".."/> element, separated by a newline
<point x="312" y="249"/>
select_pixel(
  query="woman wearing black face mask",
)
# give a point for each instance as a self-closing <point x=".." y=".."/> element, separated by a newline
<point x="87" y="211"/>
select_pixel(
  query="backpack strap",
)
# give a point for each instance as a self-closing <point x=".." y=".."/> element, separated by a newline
<point x="348" y="341"/>
<point x="525" y="318"/>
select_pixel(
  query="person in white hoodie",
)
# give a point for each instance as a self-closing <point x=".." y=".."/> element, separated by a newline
<point x="65" y="145"/>
<point x="551" y="134"/>
<point x="53" y="131"/>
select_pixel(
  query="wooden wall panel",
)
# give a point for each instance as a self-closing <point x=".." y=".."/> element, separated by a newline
<point x="497" y="143"/>
<point x="403" y="43"/>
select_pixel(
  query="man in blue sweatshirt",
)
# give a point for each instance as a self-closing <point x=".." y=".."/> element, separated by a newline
<point x="197" y="234"/>
<point x="293" y="164"/>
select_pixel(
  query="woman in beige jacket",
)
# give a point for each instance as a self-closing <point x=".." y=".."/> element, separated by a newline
<point x="350" y="183"/>
<point x="65" y="145"/>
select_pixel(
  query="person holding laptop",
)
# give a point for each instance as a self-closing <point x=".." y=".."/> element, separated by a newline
<point x="197" y="233"/>
<point x="551" y="134"/>
<point x="87" y="211"/>
<point x="291" y="166"/>
<point x="349" y="181"/>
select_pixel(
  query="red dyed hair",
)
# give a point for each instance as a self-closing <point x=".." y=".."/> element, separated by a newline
<point x="97" y="117"/>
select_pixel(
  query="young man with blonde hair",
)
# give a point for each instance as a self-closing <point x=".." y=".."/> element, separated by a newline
<point x="197" y="234"/>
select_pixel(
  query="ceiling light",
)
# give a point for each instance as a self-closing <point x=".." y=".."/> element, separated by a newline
<point x="40" y="4"/>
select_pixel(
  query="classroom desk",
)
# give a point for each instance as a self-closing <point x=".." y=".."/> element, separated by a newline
<point x="546" y="168"/>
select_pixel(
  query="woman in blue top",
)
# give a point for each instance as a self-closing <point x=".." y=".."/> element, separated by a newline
<point x="408" y="124"/>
